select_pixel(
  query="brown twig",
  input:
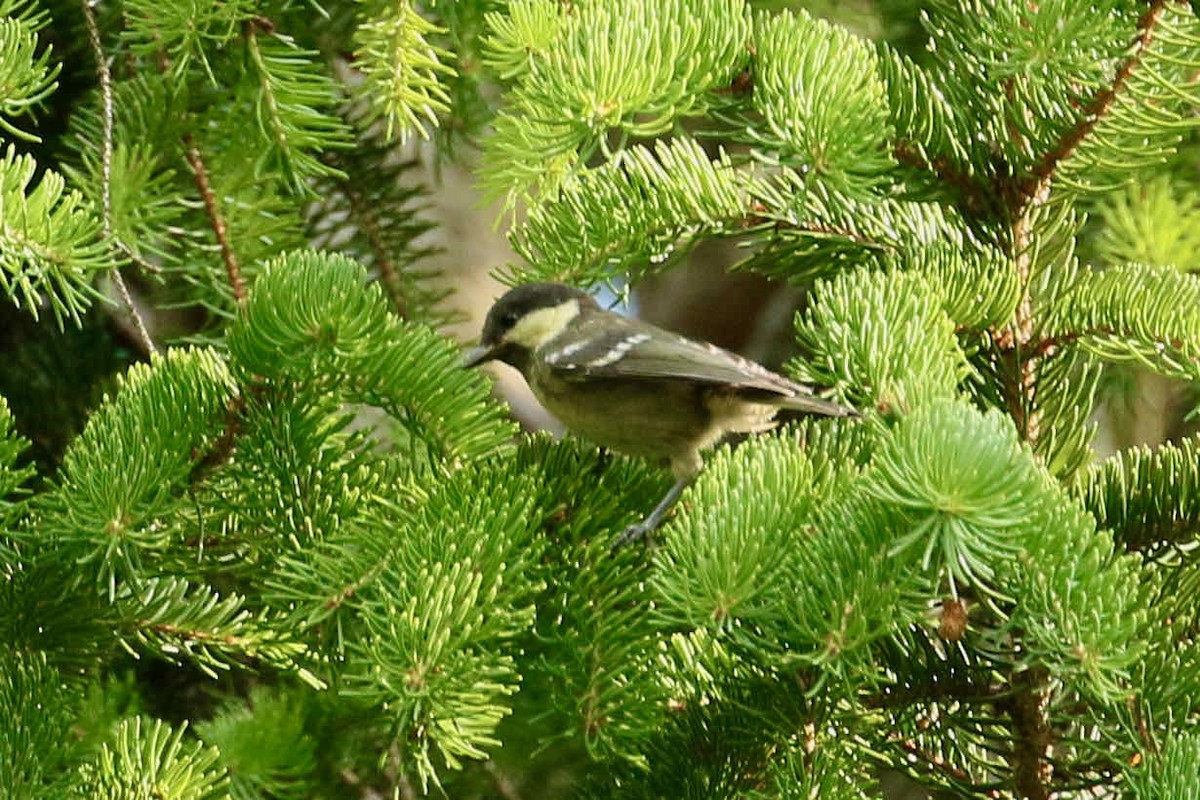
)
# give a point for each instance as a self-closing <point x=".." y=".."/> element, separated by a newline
<point x="190" y="634"/>
<point x="1139" y="720"/>
<point x="830" y="230"/>
<point x="933" y="760"/>
<point x="505" y="788"/>
<point x="349" y="590"/>
<point x="398" y="775"/>
<point x="756" y="216"/>
<point x="1032" y="737"/>
<point x="945" y="171"/>
<point x="104" y="78"/>
<point x="222" y="448"/>
<point x="192" y="153"/>
<point x="215" y="219"/>
<point x="389" y="272"/>
<point x="1019" y="391"/>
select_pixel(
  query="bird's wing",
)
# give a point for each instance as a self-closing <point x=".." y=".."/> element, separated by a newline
<point x="618" y="347"/>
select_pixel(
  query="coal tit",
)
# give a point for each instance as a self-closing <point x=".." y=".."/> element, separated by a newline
<point x="633" y="387"/>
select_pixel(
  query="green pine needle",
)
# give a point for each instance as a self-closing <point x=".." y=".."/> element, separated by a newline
<point x="882" y="339"/>
<point x="50" y="241"/>
<point x="1171" y="771"/>
<point x="28" y="78"/>
<point x="969" y="494"/>
<point x="150" y="759"/>
<point x="120" y="481"/>
<point x="403" y="72"/>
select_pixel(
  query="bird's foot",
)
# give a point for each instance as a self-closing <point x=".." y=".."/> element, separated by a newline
<point x="641" y="531"/>
<point x="603" y="459"/>
<point x="638" y="532"/>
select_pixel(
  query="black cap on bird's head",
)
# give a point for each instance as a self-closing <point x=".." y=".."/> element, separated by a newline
<point x="524" y="318"/>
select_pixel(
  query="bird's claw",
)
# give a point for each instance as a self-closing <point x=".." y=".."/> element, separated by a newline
<point x="638" y="532"/>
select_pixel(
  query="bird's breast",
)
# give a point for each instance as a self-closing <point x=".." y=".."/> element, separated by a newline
<point x="631" y="417"/>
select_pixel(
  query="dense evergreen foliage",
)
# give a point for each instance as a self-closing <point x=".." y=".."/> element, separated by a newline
<point x="285" y="547"/>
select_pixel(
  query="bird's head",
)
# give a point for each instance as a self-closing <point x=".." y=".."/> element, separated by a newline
<point x="524" y="319"/>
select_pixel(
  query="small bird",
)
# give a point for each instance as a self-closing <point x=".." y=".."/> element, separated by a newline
<point x="632" y="387"/>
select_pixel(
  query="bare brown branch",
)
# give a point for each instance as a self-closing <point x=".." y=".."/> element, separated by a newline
<point x="389" y="271"/>
<point x="215" y="218"/>
<point x="104" y="78"/>
<point x="1032" y="737"/>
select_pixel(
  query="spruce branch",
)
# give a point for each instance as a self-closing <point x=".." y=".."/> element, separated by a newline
<point x="1149" y="498"/>
<point x="403" y="72"/>
<point x="13" y="474"/>
<point x="28" y="79"/>
<point x="1167" y="683"/>
<point x="1144" y="80"/>
<point x="582" y="92"/>
<point x="1035" y="187"/>
<point x="1135" y="314"/>
<point x="1155" y="222"/>
<point x="1173" y="771"/>
<point x="1151" y="112"/>
<point x="291" y="93"/>
<point x="596" y="641"/>
<point x="175" y="619"/>
<point x="119" y="483"/>
<point x="51" y="241"/>
<point x="141" y="188"/>
<point x="521" y="36"/>
<point x="179" y="34"/>
<point x="265" y="743"/>
<point x="37" y="709"/>
<point x="1068" y="387"/>
<point x="1082" y="607"/>
<point x="818" y="231"/>
<point x="440" y="622"/>
<point x="642" y="208"/>
<point x="835" y="129"/>
<point x="943" y="465"/>
<point x="299" y="475"/>
<point x="700" y="581"/>
<point x="926" y="128"/>
<point x="151" y="752"/>
<point x="46" y="612"/>
<point x="389" y="270"/>
<point x="882" y="339"/>
<point x="191" y="152"/>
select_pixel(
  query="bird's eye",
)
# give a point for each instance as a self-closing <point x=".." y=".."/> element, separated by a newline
<point x="508" y="319"/>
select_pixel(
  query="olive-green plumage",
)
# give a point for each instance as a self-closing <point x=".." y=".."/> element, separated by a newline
<point x="633" y="387"/>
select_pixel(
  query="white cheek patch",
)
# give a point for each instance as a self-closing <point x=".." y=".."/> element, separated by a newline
<point x="538" y="327"/>
<point x="620" y="350"/>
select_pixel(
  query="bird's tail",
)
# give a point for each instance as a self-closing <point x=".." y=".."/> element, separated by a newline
<point x="808" y="404"/>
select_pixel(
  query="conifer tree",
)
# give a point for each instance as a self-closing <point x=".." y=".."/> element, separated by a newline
<point x="290" y="549"/>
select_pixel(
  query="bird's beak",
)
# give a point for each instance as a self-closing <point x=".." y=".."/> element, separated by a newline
<point x="478" y="355"/>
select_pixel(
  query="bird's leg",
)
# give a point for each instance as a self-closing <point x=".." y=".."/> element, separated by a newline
<point x="641" y="530"/>
<point x="603" y="459"/>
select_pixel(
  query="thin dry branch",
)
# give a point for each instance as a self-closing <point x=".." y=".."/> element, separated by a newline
<point x="104" y="78"/>
<point x="232" y="269"/>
